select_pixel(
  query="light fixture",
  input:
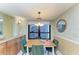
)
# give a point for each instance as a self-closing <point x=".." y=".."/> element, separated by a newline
<point x="39" y="20"/>
<point x="1" y="20"/>
<point x="18" y="20"/>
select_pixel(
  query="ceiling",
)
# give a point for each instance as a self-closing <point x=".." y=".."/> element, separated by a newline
<point x="49" y="11"/>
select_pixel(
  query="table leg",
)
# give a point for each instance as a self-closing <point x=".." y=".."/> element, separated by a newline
<point x="27" y="50"/>
<point x="52" y="50"/>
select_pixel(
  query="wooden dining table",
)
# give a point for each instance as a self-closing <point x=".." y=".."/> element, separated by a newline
<point x="30" y="43"/>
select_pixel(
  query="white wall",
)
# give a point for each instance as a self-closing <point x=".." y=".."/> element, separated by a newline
<point x="72" y="18"/>
<point x="20" y="29"/>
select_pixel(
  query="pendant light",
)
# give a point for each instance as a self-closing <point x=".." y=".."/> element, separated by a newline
<point x="39" y="20"/>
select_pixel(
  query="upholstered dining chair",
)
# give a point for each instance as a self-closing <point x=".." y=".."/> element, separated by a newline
<point x="23" y="47"/>
<point x="37" y="50"/>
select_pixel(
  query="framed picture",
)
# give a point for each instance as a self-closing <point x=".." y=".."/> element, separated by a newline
<point x="61" y="25"/>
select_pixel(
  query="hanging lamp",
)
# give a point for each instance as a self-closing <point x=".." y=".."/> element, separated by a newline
<point x="39" y="20"/>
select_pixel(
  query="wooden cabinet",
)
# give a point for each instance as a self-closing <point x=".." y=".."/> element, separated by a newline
<point x="18" y="45"/>
<point x="3" y="49"/>
<point x="11" y="47"/>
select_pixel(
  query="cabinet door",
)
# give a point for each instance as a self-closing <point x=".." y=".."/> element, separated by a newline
<point x="19" y="44"/>
<point x="16" y="46"/>
<point x="3" y="49"/>
<point x="11" y="47"/>
<point x="8" y="48"/>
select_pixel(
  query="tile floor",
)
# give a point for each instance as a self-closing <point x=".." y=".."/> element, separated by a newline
<point x="20" y="53"/>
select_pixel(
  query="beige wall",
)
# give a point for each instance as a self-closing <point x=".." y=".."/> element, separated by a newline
<point x="71" y="33"/>
<point x="72" y="18"/>
<point x="68" y="47"/>
<point x="20" y="29"/>
<point x="7" y="24"/>
<point x="11" y="28"/>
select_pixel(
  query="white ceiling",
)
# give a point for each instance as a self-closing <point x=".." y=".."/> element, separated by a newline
<point x="49" y="11"/>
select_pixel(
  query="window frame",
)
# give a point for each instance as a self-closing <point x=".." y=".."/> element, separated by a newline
<point x="2" y="27"/>
<point x="39" y="32"/>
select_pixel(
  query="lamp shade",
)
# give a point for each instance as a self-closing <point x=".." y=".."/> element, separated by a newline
<point x="39" y="24"/>
<point x="38" y="20"/>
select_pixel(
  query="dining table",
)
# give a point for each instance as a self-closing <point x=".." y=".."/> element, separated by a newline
<point x="45" y="43"/>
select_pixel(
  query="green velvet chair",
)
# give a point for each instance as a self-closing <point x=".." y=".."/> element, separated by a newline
<point x="37" y="50"/>
<point x="23" y="47"/>
<point x="56" y="42"/>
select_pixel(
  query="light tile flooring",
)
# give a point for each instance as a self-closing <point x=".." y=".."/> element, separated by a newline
<point x="20" y="53"/>
<point x="59" y="53"/>
<point x="50" y="53"/>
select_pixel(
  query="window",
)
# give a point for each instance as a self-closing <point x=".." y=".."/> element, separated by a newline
<point x="39" y="32"/>
<point x="1" y="27"/>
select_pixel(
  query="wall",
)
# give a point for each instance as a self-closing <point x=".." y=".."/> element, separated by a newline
<point x="67" y="46"/>
<point x="7" y="26"/>
<point x="11" y="28"/>
<point x="72" y="19"/>
<point x="20" y="29"/>
<point x="72" y="30"/>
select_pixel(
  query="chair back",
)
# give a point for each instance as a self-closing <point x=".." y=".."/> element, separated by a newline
<point x="23" y="48"/>
<point x="37" y="50"/>
<point x="23" y="42"/>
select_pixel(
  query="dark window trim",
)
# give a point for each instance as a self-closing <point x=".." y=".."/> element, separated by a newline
<point x="39" y="33"/>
